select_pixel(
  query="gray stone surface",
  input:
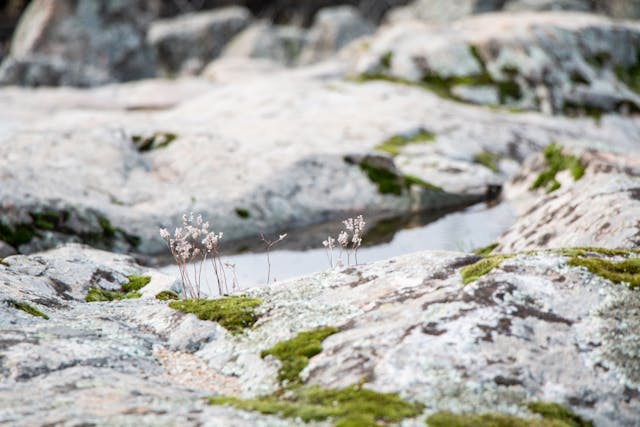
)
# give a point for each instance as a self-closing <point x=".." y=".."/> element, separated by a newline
<point x="557" y="63"/>
<point x="532" y="329"/>
<point x="87" y="43"/>
<point x="599" y="210"/>
<point x="187" y="43"/>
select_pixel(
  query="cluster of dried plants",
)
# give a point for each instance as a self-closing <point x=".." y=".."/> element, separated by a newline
<point x="348" y="241"/>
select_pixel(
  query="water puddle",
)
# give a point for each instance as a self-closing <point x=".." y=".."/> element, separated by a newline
<point x="465" y="230"/>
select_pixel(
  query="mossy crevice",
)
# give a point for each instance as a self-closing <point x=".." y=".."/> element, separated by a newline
<point x="128" y="290"/>
<point x="167" y="296"/>
<point x="388" y="180"/>
<point x="471" y="273"/>
<point x="153" y="142"/>
<point x="486" y="250"/>
<point x="234" y="313"/>
<point x="625" y="271"/>
<point x="557" y="161"/>
<point x="630" y="75"/>
<point x="394" y="144"/>
<point x="487" y="159"/>
<point x="27" y="308"/>
<point x="242" y="213"/>
<point x="294" y="354"/>
<point x="551" y="415"/>
<point x="348" y="407"/>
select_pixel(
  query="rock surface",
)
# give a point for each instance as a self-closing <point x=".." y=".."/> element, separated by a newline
<point x="65" y="42"/>
<point x="532" y="329"/>
<point x="184" y="45"/>
<point x="557" y="63"/>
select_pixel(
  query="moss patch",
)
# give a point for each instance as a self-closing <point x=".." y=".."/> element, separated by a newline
<point x="296" y="352"/>
<point x="473" y="272"/>
<point x="242" y="213"/>
<point x="387" y="181"/>
<point x="487" y="159"/>
<point x="627" y="271"/>
<point x="233" y="313"/>
<point x="630" y="75"/>
<point x="352" y="406"/>
<point x="27" y="308"/>
<point x="166" y="296"/>
<point x="556" y="162"/>
<point x="153" y="142"/>
<point x="16" y="235"/>
<point x="486" y="250"/>
<point x="553" y="411"/>
<point x="394" y="144"/>
<point x="584" y="251"/>
<point x="128" y="290"/>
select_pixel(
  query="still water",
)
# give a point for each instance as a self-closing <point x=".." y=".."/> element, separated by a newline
<point x="302" y="252"/>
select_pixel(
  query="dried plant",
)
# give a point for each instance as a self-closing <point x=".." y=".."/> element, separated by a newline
<point x="349" y="241"/>
<point x="191" y="245"/>
<point x="269" y="244"/>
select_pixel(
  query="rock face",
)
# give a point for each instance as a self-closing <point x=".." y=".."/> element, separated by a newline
<point x="64" y="42"/>
<point x="184" y="45"/>
<point x="287" y="168"/>
<point x="600" y="209"/>
<point x="533" y="329"/>
<point x="556" y="63"/>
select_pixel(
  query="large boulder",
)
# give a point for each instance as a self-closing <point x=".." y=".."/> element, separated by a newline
<point x="65" y="42"/>
<point x="185" y="44"/>
<point x="557" y="63"/>
<point x="534" y="328"/>
<point x="333" y="28"/>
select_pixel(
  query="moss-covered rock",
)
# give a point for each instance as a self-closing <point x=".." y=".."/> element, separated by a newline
<point x="486" y="250"/>
<point x="234" y="313"/>
<point x="296" y="352"/>
<point x="353" y="406"/>
<point x="626" y="271"/>
<point x="394" y="144"/>
<point x="167" y="296"/>
<point x="153" y="142"/>
<point x="27" y="308"/>
<point x="488" y="160"/>
<point x="556" y="162"/>
<point x="473" y="272"/>
<point x="128" y="290"/>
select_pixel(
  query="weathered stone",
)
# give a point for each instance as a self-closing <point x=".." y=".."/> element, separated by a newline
<point x="558" y="63"/>
<point x="185" y="44"/>
<point x="334" y="28"/>
<point x="64" y="42"/>
<point x="534" y="328"/>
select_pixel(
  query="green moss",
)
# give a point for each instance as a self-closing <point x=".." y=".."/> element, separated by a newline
<point x="487" y="159"/>
<point x="233" y="313"/>
<point x="352" y="406"/>
<point x="508" y="91"/>
<point x="296" y="352"/>
<point x="471" y="273"/>
<point x="630" y="75"/>
<point x="29" y="309"/>
<point x="153" y="142"/>
<point x="386" y="59"/>
<point x="242" y="213"/>
<point x="108" y="230"/>
<point x="486" y="250"/>
<point x="572" y="109"/>
<point x="48" y="220"/>
<point x="128" y="290"/>
<point x="556" y="162"/>
<point x="17" y="235"/>
<point x="387" y="181"/>
<point x="627" y="271"/>
<point x="136" y="283"/>
<point x="553" y="411"/>
<point x="167" y="296"/>
<point x="394" y="144"/>
<point x="583" y="251"/>
<point x="410" y="180"/>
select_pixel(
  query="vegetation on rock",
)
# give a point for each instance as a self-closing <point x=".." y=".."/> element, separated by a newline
<point x="627" y="271"/>
<point x="128" y="290"/>
<point x="353" y="406"/>
<point x="471" y="273"/>
<point x="394" y="144"/>
<point x="167" y="295"/>
<point x="153" y="141"/>
<point x="296" y="352"/>
<point x="234" y="313"/>
<point x="486" y="250"/>
<point x="556" y="162"/>
<point x="27" y="308"/>
<point x="488" y="160"/>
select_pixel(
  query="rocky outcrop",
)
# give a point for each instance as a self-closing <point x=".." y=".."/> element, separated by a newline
<point x="599" y="209"/>
<point x="64" y="42"/>
<point x="532" y="329"/>
<point x="185" y="44"/>
<point x="557" y="63"/>
<point x="151" y="163"/>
